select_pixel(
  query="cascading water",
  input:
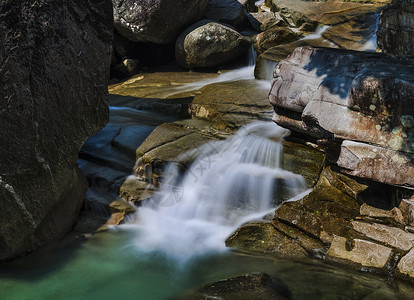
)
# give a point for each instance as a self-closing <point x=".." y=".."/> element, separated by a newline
<point x="230" y="182"/>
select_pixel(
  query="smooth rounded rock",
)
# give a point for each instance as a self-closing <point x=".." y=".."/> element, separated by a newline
<point x="156" y="21"/>
<point x="209" y="44"/>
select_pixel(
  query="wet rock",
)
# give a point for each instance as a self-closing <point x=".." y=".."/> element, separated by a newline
<point x="230" y="105"/>
<point x="325" y="211"/>
<point x="392" y="236"/>
<point x="267" y="61"/>
<point x="249" y="286"/>
<point x="54" y="69"/>
<point x="362" y="252"/>
<point x="209" y="44"/>
<point x="249" y="5"/>
<point x="134" y="190"/>
<point x="407" y="210"/>
<point x="376" y="213"/>
<point x="274" y="37"/>
<point x="171" y="142"/>
<point x="121" y="205"/>
<point x="303" y="160"/>
<point x="264" y="20"/>
<point x="127" y="68"/>
<point x="262" y="237"/>
<point x="231" y="12"/>
<point x="376" y="163"/>
<point x="156" y="21"/>
<point x="355" y="32"/>
<point x="363" y="103"/>
<point x="115" y="219"/>
<point x="396" y="28"/>
<point x="405" y="267"/>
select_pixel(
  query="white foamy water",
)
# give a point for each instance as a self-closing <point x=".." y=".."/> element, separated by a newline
<point x="318" y="33"/>
<point x="230" y="181"/>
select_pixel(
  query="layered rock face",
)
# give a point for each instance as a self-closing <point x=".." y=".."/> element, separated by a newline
<point x="362" y="97"/>
<point x="395" y="31"/>
<point x="159" y="21"/>
<point x="54" y="63"/>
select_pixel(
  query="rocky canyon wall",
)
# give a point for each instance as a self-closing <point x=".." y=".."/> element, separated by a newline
<point x="54" y="63"/>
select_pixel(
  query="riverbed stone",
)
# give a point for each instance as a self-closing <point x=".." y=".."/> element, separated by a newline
<point x="267" y="61"/>
<point x="392" y="236"/>
<point x="395" y="213"/>
<point x="407" y="208"/>
<point x="362" y="252"/>
<point x="231" y="12"/>
<point x="396" y="28"/>
<point x="134" y="189"/>
<point x="209" y="44"/>
<point x="249" y="5"/>
<point x="405" y="267"/>
<point x="171" y="143"/>
<point x="264" y="20"/>
<point x="230" y="105"/>
<point x="122" y="205"/>
<point x="274" y="37"/>
<point x="259" y="286"/>
<point x="156" y="21"/>
<point x="303" y="160"/>
<point x="377" y="163"/>
<point x="262" y="237"/>
<point x="54" y="67"/>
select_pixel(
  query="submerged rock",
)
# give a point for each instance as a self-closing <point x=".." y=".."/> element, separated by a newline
<point x="209" y="44"/>
<point x="54" y="66"/>
<point x="396" y="28"/>
<point x="159" y="21"/>
<point x="256" y="286"/>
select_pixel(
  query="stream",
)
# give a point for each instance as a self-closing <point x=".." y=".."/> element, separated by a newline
<point x="175" y="243"/>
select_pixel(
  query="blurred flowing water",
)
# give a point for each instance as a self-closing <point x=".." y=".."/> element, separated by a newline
<point x="229" y="182"/>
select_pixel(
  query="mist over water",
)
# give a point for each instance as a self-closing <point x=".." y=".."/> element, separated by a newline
<point x="229" y="182"/>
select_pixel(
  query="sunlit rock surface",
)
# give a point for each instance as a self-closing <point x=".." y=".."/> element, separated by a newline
<point x="159" y="21"/>
<point x="358" y="96"/>
<point x="54" y="66"/>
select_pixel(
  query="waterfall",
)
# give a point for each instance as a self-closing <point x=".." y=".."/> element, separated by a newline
<point x="229" y="182"/>
<point x="252" y="56"/>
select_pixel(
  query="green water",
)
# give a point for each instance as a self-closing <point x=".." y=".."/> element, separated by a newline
<point x="109" y="266"/>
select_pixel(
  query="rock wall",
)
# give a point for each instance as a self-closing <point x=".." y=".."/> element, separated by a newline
<point x="396" y="28"/>
<point x="54" y="63"/>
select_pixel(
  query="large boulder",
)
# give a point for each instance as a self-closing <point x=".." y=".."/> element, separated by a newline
<point x="209" y="44"/>
<point x="396" y="28"/>
<point x="345" y="94"/>
<point x="54" y="65"/>
<point x="231" y="12"/>
<point x="159" y="21"/>
<point x="357" y="96"/>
